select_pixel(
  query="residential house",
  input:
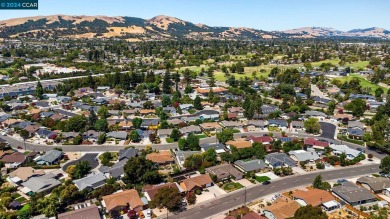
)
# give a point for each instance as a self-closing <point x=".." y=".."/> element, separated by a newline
<point x="218" y="147"/>
<point x="355" y="129"/>
<point x="118" y="135"/>
<point x="304" y="156"/>
<point x="316" y="114"/>
<point x="182" y="155"/>
<point x="23" y="174"/>
<point x="174" y="122"/>
<point x="186" y="107"/>
<point x="353" y="195"/>
<point x="161" y="157"/>
<point x="127" y="153"/>
<point x="150" y="124"/>
<point x="281" y="208"/>
<point x="210" y="126"/>
<point x="40" y="184"/>
<point x="375" y="184"/>
<point x="89" y="212"/>
<point x="224" y="172"/>
<point x="349" y="152"/>
<point x="124" y="200"/>
<point x="91" y="135"/>
<point x="298" y="125"/>
<point x="320" y="100"/>
<point x="231" y="124"/>
<point x="314" y="143"/>
<point x="253" y="125"/>
<point x="268" y="109"/>
<point x="265" y="140"/>
<point x="239" y="111"/>
<point x="277" y="160"/>
<point x="49" y="158"/>
<point x="115" y="171"/>
<point x="313" y="197"/>
<point x="164" y="133"/>
<point x="90" y="182"/>
<point x="255" y="165"/>
<point x="13" y="160"/>
<point x="45" y="134"/>
<point x="239" y="143"/>
<point x="196" y="183"/>
<point x="280" y="123"/>
<point x="190" y="129"/>
<point x="150" y="191"/>
<point x="125" y="125"/>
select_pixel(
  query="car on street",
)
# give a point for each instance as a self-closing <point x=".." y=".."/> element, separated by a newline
<point x="342" y="181"/>
<point x="267" y="182"/>
<point x="361" y="150"/>
<point x="20" y="147"/>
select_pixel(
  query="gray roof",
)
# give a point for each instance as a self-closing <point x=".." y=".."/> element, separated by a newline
<point x="190" y="129"/>
<point x="251" y="165"/>
<point x="50" y="156"/>
<point x="127" y="153"/>
<point x="41" y="183"/>
<point x="117" y="134"/>
<point x="258" y="123"/>
<point x="231" y="123"/>
<point x="116" y="170"/>
<point x="278" y="122"/>
<point x="302" y="155"/>
<point x="377" y="184"/>
<point x="224" y="170"/>
<point x="216" y="146"/>
<point x="314" y="113"/>
<point x="149" y="122"/>
<point x="345" y="149"/>
<point x="91" y="181"/>
<point x="165" y="131"/>
<point x="278" y="159"/>
<point x="351" y="193"/>
<point x="267" y="109"/>
<point x="356" y="131"/>
<point x="355" y="124"/>
<point x="182" y="155"/>
<point x="297" y="124"/>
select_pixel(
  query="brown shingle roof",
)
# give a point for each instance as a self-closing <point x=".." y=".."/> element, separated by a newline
<point x="152" y="190"/>
<point x="24" y="173"/>
<point x="239" y="143"/>
<point x="90" y="212"/>
<point x="282" y="209"/>
<point x="198" y="181"/>
<point x="313" y="197"/>
<point x="16" y="157"/>
<point x="121" y="199"/>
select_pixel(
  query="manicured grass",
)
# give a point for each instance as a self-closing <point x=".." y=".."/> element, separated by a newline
<point x="202" y="136"/>
<point x="21" y="199"/>
<point x="273" y="129"/>
<point x="354" y="141"/>
<point x="231" y="186"/>
<point x="114" y="156"/>
<point x="261" y="179"/>
<point x="25" y="207"/>
<point x="192" y="111"/>
<point x="363" y="82"/>
<point x="15" y="195"/>
<point x="169" y="140"/>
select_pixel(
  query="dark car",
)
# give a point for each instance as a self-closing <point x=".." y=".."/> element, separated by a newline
<point x="361" y="150"/>
<point x="20" y="147"/>
<point x="266" y="182"/>
<point x="342" y="181"/>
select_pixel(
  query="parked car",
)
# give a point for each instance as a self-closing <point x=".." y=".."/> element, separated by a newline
<point x="361" y="150"/>
<point x="141" y="214"/>
<point x="20" y="147"/>
<point x="342" y="181"/>
<point x="149" y="213"/>
<point x="266" y="182"/>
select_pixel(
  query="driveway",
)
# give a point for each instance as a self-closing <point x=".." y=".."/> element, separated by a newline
<point x="328" y="130"/>
<point x="89" y="157"/>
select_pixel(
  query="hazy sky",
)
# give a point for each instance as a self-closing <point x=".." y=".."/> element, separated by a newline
<point x="259" y="14"/>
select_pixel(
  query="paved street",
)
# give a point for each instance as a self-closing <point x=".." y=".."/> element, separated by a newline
<point x="90" y="157"/>
<point x="328" y="130"/>
<point x="235" y="199"/>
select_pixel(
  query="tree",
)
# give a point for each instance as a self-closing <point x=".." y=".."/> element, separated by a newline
<point x="191" y="198"/>
<point x="77" y="140"/>
<point x="312" y="125"/>
<point x="134" y="136"/>
<point x="319" y="184"/>
<point x="166" y="101"/>
<point x="193" y="162"/>
<point x="103" y="112"/>
<point x="39" y="90"/>
<point x="193" y="142"/>
<point x="76" y="123"/>
<point x="357" y="107"/>
<point x="210" y="155"/>
<point x="82" y="168"/>
<point x="24" y="134"/>
<point x="137" y="122"/>
<point x="197" y="103"/>
<point x="169" y="198"/>
<point x="49" y="206"/>
<point x="225" y="135"/>
<point x="70" y="170"/>
<point x="139" y="170"/>
<point x="309" y="212"/>
<point x="385" y="164"/>
<point x="101" y="138"/>
<point x="331" y="107"/>
<point x="167" y="83"/>
<point x="175" y="134"/>
<point x="101" y="125"/>
<point x="182" y="144"/>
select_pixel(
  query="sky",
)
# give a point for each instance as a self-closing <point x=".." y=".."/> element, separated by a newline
<point x="260" y="14"/>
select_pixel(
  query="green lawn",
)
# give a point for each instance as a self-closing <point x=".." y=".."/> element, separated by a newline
<point x="15" y="195"/>
<point x="192" y="111"/>
<point x="114" y="156"/>
<point x="21" y="199"/>
<point x="25" y="207"/>
<point x="261" y="179"/>
<point x="363" y="82"/>
<point x="231" y="186"/>
<point x="354" y="141"/>
<point x="202" y="136"/>
<point x="169" y="140"/>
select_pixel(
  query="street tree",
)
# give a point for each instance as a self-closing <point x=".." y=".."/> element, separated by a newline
<point x="225" y="135"/>
<point x="169" y="198"/>
<point x="312" y="125"/>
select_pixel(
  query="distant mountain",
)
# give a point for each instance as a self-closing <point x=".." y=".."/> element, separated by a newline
<point x="157" y="28"/>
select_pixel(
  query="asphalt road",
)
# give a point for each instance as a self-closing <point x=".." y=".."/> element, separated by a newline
<point x="253" y="193"/>
<point x="89" y="157"/>
<point x="328" y="130"/>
